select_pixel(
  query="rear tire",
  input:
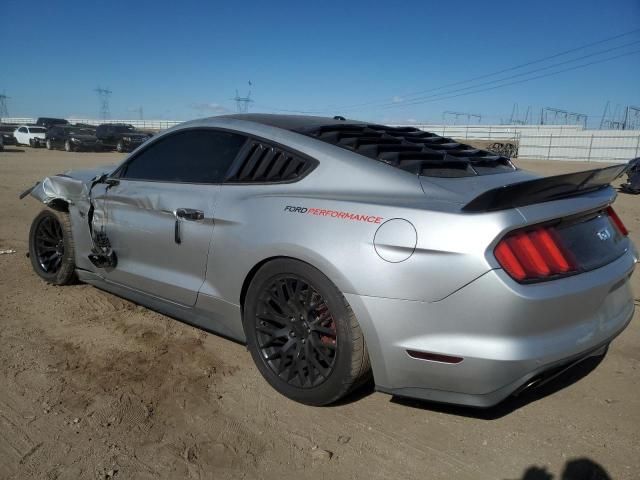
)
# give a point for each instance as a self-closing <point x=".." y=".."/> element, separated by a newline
<point x="48" y="144"/>
<point x="302" y="334"/>
<point x="51" y="247"/>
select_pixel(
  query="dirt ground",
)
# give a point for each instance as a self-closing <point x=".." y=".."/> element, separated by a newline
<point x="93" y="386"/>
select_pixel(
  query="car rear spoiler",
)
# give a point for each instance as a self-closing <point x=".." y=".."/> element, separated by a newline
<point x="543" y="189"/>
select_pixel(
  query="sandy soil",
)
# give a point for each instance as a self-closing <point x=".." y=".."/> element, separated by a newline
<point x="92" y="386"/>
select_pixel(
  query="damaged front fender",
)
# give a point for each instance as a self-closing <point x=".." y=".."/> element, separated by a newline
<point x="59" y="191"/>
<point x="68" y="188"/>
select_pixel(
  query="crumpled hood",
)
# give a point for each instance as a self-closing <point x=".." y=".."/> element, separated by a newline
<point x="87" y="174"/>
<point x="72" y="186"/>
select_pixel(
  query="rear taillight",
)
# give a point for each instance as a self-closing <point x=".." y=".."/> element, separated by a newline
<point x="534" y="254"/>
<point x="617" y="222"/>
<point x="544" y="252"/>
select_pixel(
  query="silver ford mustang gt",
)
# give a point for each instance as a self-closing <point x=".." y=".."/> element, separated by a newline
<point x="341" y="250"/>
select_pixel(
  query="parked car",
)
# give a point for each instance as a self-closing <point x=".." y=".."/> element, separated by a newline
<point x="49" y="122"/>
<point x="121" y="137"/>
<point x="31" y="135"/>
<point x="6" y="132"/>
<point x="72" y="138"/>
<point x="339" y="249"/>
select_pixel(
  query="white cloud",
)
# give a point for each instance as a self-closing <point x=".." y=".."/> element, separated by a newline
<point x="397" y="99"/>
<point x="209" y="107"/>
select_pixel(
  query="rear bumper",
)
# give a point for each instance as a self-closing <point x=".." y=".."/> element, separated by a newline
<point x="506" y="333"/>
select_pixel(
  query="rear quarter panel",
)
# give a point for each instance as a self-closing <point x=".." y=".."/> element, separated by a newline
<point x="258" y="222"/>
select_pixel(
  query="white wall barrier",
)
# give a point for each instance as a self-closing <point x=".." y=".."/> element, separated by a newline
<point x="549" y="142"/>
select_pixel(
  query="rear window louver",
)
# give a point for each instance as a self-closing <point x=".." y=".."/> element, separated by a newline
<point x="413" y="150"/>
<point x="263" y="163"/>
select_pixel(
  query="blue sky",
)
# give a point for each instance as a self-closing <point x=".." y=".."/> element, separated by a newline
<point x="181" y="60"/>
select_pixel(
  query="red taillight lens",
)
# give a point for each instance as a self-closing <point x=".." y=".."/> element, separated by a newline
<point x="617" y="222"/>
<point x="533" y="255"/>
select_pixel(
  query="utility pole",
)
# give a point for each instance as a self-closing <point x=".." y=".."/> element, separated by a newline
<point x="4" y="111"/>
<point x="242" y="103"/>
<point x="103" y="96"/>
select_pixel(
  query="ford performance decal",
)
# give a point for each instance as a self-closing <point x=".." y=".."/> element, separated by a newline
<point x="334" y="214"/>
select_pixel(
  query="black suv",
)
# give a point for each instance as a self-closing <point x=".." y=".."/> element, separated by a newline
<point x="122" y="137"/>
<point x="6" y="132"/>
<point x="72" y="138"/>
<point x="50" y="122"/>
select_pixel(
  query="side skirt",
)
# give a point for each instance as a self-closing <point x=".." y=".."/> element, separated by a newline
<point x="217" y="316"/>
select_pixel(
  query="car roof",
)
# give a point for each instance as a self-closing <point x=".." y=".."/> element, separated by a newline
<point x="407" y="148"/>
<point x="291" y="122"/>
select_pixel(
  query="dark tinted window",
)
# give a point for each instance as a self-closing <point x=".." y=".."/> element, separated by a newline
<point x="195" y="156"/>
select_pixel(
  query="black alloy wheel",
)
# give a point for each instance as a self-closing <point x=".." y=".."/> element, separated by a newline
<point x="51" y="247"/>
<point x="296" y="332"/>
<point x="49" y="244"/>
<point x="302" y="334"/>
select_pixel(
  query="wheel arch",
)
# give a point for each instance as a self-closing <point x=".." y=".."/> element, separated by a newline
<point x="323" y="266"/>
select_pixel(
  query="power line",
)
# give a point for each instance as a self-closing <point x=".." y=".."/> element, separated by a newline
<point x="559" y="64"/>
<point x="523" y="80"/>
<point x="526" y="64"/>
<point x="385" y="101"/>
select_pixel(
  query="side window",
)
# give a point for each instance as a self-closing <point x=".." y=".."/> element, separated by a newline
<point x="22" y="129"/>
<point x="193" y="156"/>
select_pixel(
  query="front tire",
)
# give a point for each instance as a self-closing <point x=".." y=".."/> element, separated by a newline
<point x="120" y="148"/>
<point x="67" y="146"/>
<point x="51" y="247"/>
<point x="49" y="145"/>
<point x="302" y="334"/>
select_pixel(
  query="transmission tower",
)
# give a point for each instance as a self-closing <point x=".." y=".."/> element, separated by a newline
<point x="242" y="103"/>
<point x="4" y="111"/>
<point x="515" y="117"/>
<point x="555" y="116"/>
<point x="631" y="118"/>
<point x="613" y="120"/>
<point x="457" y="115"/>
<point x="103" y="96"/>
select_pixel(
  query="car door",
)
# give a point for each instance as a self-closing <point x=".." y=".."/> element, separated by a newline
<point x="158" y="212"/>
<point x="21" y="135"/>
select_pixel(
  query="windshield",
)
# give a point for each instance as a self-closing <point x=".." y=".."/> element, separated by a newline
<point x="37" y="130"/>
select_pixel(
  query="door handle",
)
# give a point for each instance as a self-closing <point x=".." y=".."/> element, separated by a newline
<point x="189" y="214"/>
<point x="185" y="214"/>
